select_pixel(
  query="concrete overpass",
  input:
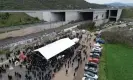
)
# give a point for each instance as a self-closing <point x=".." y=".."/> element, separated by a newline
<point x="99" y="16"/>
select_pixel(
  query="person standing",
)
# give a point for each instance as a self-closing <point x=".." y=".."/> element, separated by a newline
<point x="65" y="65"/>
<point x="72" y="64"/>
<point x="74" y="74"/>
<point x="66" y="71"/>
<point x="90" y="45"/>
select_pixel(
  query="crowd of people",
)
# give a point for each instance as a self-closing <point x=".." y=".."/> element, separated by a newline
<point x="53" y="65"/>
<point x="43" y="69"/>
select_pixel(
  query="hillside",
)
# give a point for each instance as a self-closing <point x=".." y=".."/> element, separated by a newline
<point x="46" y="4"/>
<point x="117" y="4"/>
<point x="13" y="19"/>
<point x="120" y="5"/>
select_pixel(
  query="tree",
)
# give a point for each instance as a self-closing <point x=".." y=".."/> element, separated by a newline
<point x="7" y="15"/>
<point x="36" y="19"/>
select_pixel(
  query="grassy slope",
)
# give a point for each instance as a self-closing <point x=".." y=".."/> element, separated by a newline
<point x="102" y="67"/>
<point x="118" y="61"/>
<point x="14" y="19"/>
<point x="127" y="13"/>
<point x="46" y="4"/>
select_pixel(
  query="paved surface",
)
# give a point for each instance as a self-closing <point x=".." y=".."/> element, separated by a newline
<point x="31" y="29"/>
<point x="79" y="74"/>
<point x="18" y="27"/>
<point x="81" y="68"/>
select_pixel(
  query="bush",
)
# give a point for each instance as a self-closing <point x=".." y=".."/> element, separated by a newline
<point x="28" y="19"/>
<point x="4" y="16"/>
<point x="117" y="37"/>
<point x="88" y="26"/>
<point x="4" y="51"/>
<point x="36" y="19"/>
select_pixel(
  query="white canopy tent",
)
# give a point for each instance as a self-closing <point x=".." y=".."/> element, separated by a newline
<point x="75" y="40"/>
<point x="55" y="48"/>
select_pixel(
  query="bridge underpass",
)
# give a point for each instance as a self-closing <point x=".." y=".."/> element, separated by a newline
<point x="58" y="16"/>
<point x="107" y="14"/>
<point x="113" y="15"/>
<point x="86" y="16"/>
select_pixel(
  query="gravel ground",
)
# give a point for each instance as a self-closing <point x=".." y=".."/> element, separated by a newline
<point x="10" y="40"/>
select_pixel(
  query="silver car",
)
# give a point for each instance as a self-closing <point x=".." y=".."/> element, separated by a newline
<point x="91" y="69"/>
<point x="91" y="75"/>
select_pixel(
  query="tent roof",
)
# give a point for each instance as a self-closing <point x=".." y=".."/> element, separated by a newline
<point x="55" y="48"/>
<point x="75" y="40"/>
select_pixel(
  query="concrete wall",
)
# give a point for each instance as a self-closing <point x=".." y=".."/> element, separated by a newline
<point x="100" y="22"/>
<point x="99" y="15"/>
<point x="72" y="16"/>
<point x="38" y="14"/>
<point x="119" y="14"/>
<point x="51" y="16"/>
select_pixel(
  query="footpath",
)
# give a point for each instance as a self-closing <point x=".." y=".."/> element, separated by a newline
<point x="61" y="75"/>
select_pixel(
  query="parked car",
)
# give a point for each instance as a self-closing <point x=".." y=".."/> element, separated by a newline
<point x="97" y="49"/>
<point x="91" y="64"/>
<point x="88" y="78"/>
<point x="95" y="60"/>
<point x="99" y="40"/>
<point x="91" y="75"/>
<point x="95" y="56"/>
<point x="90" y="69"/>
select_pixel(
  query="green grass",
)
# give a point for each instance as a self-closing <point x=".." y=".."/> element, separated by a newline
<point x="102" y="67"/>
<point x="88" y="26"/>
<point x="16" y="19"/>
<point x="4" y="51"/>
<point x="116" y="63"/>
<point x="127" y="13"/>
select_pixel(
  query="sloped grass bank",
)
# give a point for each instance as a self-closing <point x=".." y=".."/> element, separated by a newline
<point x="116" y="62"/>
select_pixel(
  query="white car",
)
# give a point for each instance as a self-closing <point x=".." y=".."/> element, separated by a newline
<point x="88" y="78"/>
<point x="91" y="75"/>
<point x="95" y="54"/>
<point x="90" y="69"/>
<point x="97" y="48"/>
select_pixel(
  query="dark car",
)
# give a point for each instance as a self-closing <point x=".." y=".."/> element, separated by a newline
<point x="96" y="51"/>
<point x="91" y="64"/>
<point x="95" y="56"/>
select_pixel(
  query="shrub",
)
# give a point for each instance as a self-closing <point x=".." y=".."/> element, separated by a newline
<point x="117" y="37"/>
<point x="88" y="26"/>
